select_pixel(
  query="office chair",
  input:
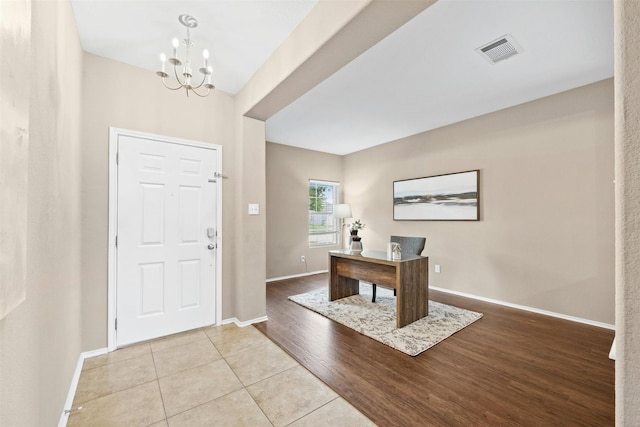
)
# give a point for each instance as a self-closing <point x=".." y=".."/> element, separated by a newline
<point x="409" y="246"/>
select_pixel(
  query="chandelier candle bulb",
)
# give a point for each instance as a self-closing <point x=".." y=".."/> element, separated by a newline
<point x="163" y="59"/>
<point x="175" y="44"/>
<point x="183" y="72"/>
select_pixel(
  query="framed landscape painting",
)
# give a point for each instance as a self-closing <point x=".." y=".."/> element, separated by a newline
<point x="449" y="197"/>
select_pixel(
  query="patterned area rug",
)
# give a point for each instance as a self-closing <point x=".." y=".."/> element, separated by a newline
<point x="378" y="320"/>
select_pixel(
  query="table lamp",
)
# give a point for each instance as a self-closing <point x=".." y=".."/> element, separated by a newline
<point x="342" y="211"/>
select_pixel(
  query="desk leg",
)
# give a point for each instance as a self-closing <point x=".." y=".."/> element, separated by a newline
<point x="412" y="296"/>
<point x="343" y="287"/>
<point x="340" y="286"/>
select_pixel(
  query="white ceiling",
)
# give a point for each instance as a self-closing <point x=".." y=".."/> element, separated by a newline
<point x="425" y="75"/>
<point x="239" y="34"/>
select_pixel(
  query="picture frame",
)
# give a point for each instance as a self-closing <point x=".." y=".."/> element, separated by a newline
<point x="446" y="197"/>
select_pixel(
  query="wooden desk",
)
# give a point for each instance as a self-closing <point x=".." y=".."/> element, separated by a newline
<point x="408" y="276"/>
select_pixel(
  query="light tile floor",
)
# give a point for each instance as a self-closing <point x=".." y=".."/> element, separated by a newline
<point x="218" y="376"/>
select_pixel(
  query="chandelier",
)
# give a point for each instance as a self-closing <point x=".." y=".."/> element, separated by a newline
<point x="182" y="71"/>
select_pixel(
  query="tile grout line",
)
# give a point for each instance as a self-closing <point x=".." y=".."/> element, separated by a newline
<point x="155" y="368"/>
<point x="267" y="340"/>
<point x="297" y="365"/>
<point x="243" y="384"/>
<point x="107" y="363"/>
<point x="317" y="409"/>
<point x="85" y="402"/>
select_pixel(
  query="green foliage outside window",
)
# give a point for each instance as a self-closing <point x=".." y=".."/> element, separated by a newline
<point x="323" y="228"/>
<point x="316" y="197"/>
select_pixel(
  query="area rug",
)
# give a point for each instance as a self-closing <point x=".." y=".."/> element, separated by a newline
<point x="378" y="320"/>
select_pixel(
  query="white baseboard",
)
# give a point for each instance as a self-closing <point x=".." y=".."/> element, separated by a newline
<point x="64" y="417"/>
<point x="490" y="300"/>
<point x="242" y="324"/>
<point x="93" y="353"/>
<point x="526" y="308"/>
<point x="275" y="279"/>
<point x="612" y="352"/>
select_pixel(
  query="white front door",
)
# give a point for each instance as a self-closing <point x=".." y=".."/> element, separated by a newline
<point x="166" y="238"/>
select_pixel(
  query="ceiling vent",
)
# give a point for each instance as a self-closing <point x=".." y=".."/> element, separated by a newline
<point x="503" y="48"/>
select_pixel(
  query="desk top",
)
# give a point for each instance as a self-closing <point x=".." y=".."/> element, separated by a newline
<point x="375" y="255"/>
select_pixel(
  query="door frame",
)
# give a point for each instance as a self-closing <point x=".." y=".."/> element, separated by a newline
<point x="114" y="135"/>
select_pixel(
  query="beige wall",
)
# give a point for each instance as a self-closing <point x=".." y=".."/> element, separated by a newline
<point x="118" y="95"/>
<point x="122" y="96"/>
<point x="40" y="341"/>
<point x="15" y="43"/>
<point x="289" y="170"/>
<point x="627" y="93"/>
<point x="249" y="230"/>
<point x="545" y="238"/>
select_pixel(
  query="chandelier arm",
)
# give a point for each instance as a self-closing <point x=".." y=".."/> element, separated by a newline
<point x="201" y="96"/>
<point x="187" y="75"/>
<point x="204" y="77"/>
<point x="169" y="87"/>
<point x="175" y="73"/>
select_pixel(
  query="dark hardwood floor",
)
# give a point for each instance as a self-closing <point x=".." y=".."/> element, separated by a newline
<point x="510" y="368"/>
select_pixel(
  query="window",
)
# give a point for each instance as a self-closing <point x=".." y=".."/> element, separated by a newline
<point x="323" y="227"/>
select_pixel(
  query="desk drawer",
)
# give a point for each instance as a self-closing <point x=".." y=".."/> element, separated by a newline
<point x="384" y="275"/>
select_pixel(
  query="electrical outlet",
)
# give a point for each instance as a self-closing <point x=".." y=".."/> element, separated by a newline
<point x="254" y="209"/>
<point x="437" y="268"/>
<point x="303" y="259"/>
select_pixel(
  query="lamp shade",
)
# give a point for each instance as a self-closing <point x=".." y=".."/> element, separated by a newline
<point x="342" y="211"/>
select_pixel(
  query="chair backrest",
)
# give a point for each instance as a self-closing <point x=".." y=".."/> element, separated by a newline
<point x="410" y="245"/>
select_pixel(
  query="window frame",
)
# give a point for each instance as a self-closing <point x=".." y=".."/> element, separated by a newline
<point x="312" y="237"/>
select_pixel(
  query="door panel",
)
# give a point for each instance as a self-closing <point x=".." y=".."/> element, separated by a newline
<point x="152" y="289"/>
<point x="165" y="281"/>
<point x="190" y="283"/>
<point x="152" y="214"/>
<point x="189" y="209"/>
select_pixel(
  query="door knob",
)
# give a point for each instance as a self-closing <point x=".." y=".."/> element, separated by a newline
<point x="211" y="246"/>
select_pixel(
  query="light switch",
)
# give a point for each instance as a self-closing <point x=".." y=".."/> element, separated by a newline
<point x="254" y="209"/>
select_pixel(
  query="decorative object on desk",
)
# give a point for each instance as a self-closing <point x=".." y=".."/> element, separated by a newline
<point x="356" y="244"/>
<point x="378" y="320"/>
<point x="390" y="247"/>
<point x="453" y="196"/>
<point x="355" y="227"/>
<point x="396" y="251"/>
<point x="412" y="246"/>
<point x="342" y="211"/>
